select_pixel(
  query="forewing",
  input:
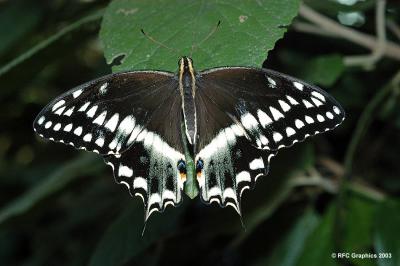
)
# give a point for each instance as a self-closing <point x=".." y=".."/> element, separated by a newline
<point x="255" y="112"/>
<point x="107" y="114"/>
<point x="133" y="120"/>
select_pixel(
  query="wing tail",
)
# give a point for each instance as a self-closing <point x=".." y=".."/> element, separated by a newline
<point x="149" y="170"/>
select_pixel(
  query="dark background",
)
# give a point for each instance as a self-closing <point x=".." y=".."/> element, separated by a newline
<point x="337" y="192"/>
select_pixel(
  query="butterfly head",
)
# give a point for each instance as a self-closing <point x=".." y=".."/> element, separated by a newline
<point x="185" y="64"/>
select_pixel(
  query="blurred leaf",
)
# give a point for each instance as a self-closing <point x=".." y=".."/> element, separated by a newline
<point x="323" y="70"/>
<point x="87" y="164"/>
<point x="289" y="250"/>
<point x="45" y="43"/>
<point x="387" y="233"/>
<point x="358" y="220"/>
<point x="278" y="189"/>
<point x="21" y="17"/>
<point x="123" y="240"/>
<point x="319" y="246"/>
<point x="248" y="30"/>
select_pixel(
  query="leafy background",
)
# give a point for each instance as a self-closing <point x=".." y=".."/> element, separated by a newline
<point x="338" y="192"/>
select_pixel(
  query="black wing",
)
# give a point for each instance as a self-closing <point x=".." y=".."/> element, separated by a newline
<point x="245" y="116"/>
<point x="133" y="120"/>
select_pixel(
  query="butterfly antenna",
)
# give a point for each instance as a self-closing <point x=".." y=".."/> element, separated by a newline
<point x="157" y="42"/>
<point x="208" y="36"/>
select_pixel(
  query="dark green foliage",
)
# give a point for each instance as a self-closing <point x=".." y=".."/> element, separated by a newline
<point x="338" y="192"/>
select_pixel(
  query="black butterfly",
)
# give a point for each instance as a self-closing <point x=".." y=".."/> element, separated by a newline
<point x="235" y="119"/>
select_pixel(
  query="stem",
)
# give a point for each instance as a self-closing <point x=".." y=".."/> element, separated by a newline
<point x="40" y="46"/>
<point x="369" y="60"/>
<point x="323" y="25"/>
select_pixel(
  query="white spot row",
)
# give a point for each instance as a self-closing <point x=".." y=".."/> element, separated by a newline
<point x="69" y="111"/>
<point x="76" y="93"/>
<point x="78" y="131"/>
<point x="298" y="85"/>
<point x="41" y="120"/>
<point x="84" y="107"/>
<point x="103" y="88"/>
<point x="316" y="101"/>
<point x="285" y="107"/>
<point x="265" y="120"/>
<point x="113" y="122"/>
<point x="87" y="137"/>
<point x="275" y="113"/>
<point x="57" y="104"/>
<point x="256" y="164"/>
<point x="124" y="129"/>
<point x="249" y="121"/>
<point x="336" y="110"/>
<point x="60" y="111"/>
<point x="307" y="104"/>
<point x="92" y="111"/>
<point x="271" y="82"/>
<point x="292" y="100"/>
<point x="318" y="95"/>
<point x="100" y="119"/>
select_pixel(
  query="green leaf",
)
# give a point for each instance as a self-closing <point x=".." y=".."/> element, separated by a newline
<point x="53" y="183"/>
<point x="319" y="246"/>
<point x="323" y="70"/>
<point x="358" y="220"/>
<point x="387" y="233"/>
<point x="288" y="251"/>
<point x="123" y="240"/>
<point x="248" y="30"/>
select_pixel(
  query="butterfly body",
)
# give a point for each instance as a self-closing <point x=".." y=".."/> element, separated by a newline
<point x="187" y="87"/>
<point x="214" y="130"/>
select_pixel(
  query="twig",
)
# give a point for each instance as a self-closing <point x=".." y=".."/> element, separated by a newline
<point x="35" y="49"/>
<point x="394" y="28"/>
<point x="365" y="120"/>
<point x="367" y="191"/>
<point x="315" y="180"/>
<point x="328" y="27"/>
<point x="312" y="29"/>
<point x="333" y="166"/>
<point x="332" y="186"/>
<point x="370" y="60"/>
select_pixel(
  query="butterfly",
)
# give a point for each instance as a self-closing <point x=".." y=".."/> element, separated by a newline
<point x="230" y="120"/>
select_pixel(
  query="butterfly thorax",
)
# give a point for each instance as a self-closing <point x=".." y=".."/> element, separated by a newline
<point x="187" y="88"/>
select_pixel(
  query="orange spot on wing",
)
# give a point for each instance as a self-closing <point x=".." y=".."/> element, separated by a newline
<point x="199" y="174"/>
<point x="183" y="176"/>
